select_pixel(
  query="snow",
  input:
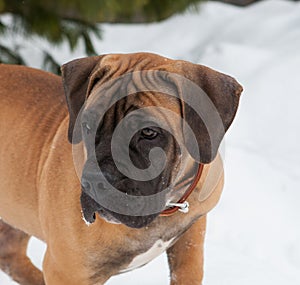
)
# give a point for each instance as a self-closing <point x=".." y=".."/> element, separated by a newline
<point x="253" y="234"/>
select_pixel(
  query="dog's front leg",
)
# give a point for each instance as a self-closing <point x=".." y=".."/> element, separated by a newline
<point x="186" y="256"/>
<point x="69" y="272"/>
<point x="56" y="274"/>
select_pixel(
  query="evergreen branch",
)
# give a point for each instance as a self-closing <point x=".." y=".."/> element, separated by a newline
<point x="50" y="64"/>
<point x="9" y="56"/>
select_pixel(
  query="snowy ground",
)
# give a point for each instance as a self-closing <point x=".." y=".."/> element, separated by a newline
<point x="254" y="234"/>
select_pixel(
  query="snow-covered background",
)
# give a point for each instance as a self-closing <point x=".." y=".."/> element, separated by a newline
<point x="253" y="234"/>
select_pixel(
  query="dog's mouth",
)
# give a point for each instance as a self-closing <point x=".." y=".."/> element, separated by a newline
<point x="109" y="218"/>
<point x="90" y="208"/>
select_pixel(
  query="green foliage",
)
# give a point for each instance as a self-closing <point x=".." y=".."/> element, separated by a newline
<point x="54" y="20"/>
<point x="163" y="9"/>
<point x="49" y="63"/>
<point x="143" y="10"/>
<point x="74" y="30"/>
<point x="73" y="20"/>
<point x="47" y="18"/>
<point x="10" y="56"/>
<point x="2" y="27"/>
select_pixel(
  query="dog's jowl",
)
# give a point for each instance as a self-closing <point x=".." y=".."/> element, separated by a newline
<point x="110" y="165"/>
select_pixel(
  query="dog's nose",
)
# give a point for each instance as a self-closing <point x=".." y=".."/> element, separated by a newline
<point x="93" y="181"/>
<point x="86" y="184"/>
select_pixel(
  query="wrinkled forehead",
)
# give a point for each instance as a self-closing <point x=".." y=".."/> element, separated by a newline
<point x="144" y="94"/>
<point x="138" y="61"/>
<point x="138" y="111"/>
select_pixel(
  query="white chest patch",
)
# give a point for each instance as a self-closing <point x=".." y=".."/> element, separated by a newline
<point x="157" y="249"/>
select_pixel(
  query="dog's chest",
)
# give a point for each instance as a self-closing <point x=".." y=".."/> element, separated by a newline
<point x="154" y="251"/>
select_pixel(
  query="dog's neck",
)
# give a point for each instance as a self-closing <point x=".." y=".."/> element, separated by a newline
<point x="183" y="186"/>
<point x="193" y="175"/>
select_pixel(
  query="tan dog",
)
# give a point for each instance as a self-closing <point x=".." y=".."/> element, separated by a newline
<point x="41" y="193"/>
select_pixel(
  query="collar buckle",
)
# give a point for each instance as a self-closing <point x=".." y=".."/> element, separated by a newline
<point x="182" y="207"/>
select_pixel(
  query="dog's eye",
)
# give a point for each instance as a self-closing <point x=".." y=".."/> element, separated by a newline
<point x="149" y="134"/>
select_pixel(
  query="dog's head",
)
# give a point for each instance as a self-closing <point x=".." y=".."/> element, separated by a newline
<point x="141" y="117"/>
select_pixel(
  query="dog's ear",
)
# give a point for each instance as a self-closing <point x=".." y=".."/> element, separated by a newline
<point x="218" y="101"/>
<point x="78" y="77"/>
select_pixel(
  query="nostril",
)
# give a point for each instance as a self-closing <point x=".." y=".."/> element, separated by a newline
<point x="86" y="185"/>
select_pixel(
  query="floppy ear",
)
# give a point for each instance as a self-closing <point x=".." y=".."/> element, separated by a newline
<point x="77" y="81"/>
<point x="223" y="92"/>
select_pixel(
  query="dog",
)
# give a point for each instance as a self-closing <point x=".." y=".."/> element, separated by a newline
<point x="62" y="166"/>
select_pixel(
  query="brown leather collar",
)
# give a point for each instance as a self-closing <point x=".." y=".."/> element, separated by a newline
<point x="172" y="210"/>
